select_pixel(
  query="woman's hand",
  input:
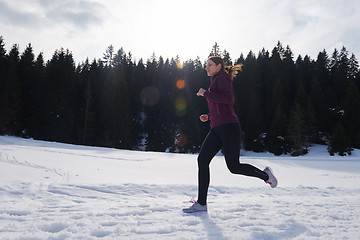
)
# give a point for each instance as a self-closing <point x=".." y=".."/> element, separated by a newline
<point x="204" y="117"/>
<point x="201" y="92"/>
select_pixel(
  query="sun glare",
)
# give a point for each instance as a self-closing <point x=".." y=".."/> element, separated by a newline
<point x="179" y="65"/>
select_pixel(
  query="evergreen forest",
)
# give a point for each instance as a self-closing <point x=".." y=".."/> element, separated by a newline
<point x="284" y="103"/>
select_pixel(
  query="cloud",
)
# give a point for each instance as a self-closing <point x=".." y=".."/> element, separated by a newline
<point x="308" y="27"/>
<point x="79" y="14"/>
<point x="186" y="28"/>
<point x="13" y="16"/>
<point x="328" y="25"/>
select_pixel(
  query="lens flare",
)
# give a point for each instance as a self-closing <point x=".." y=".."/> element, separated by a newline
<point x="181" y="139"/>
<point x="180" y="104"/>
<point x="150" y="96"/>
<point x="180" y="84"/>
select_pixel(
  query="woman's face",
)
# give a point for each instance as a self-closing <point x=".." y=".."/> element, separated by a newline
<point x="212" y="68"/>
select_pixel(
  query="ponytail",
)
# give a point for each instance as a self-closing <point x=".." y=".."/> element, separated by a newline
<point x="233" y="70"/>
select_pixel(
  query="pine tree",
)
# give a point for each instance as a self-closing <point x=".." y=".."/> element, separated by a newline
<point x="10" y="94"/>
<point x="117" y="127"/>
<point x="354" y="70"/>
<point x="194" y="129"/>
<point x="108" y="56"/>
<point x="275" y="140"/>
<point x="311" y="117"/>
<point x="339" y="142"/>
<point x="150" y="96"/>
<point x="38" y="103"/>
<point x="322" y="69"/>
<point x="59" y="96"/>
<point x="136" y="83"/>
<point x="89" y="113"/>
<point x="195" y="77"/>
<point x="352" y="115"/>
<point x="215" y="51"/>
<point x="85" y="115"/>
<point x="298" y="131"/>
<point x="275" y="86"/>
<point x="321" y="92"/>
<point x="3" y="86"/>
<point x="28" y="85"/>
<point x="252" y="108"/>
<point x="277" y="102"/>
<point x="339" y="75"/>
<point x="227" y="59"/>
<point x="2" y="58"/>
<point x="99" y="106"/>
<point x="255" y="126"/>
<point x="344" y="63"/>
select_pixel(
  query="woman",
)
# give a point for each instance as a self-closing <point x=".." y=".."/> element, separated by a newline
<point x="224" y="133"/>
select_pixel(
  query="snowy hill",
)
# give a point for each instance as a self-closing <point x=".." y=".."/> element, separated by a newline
<point x="60" y="191"/>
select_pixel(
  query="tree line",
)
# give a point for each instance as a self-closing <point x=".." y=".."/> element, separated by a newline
<point x="284" y="105"/>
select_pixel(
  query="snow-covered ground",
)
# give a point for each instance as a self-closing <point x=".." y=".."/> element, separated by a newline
<point x="60" y="191"/>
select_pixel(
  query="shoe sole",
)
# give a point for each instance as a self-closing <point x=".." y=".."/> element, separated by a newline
<point x="199" y="211"/>
<point x="276" y="181"/>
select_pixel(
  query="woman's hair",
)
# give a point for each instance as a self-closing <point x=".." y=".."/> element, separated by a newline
<point x="231" y="70"/>
<point x="217" y="60"/>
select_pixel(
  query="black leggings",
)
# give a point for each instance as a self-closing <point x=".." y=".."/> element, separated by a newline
<point x="226" y="137"/>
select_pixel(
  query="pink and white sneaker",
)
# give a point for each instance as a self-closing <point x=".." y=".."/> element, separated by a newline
<point x="272" y="181"/>
<point x="195" y="208"/>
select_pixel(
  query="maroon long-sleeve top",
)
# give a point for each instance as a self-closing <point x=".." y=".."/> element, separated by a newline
<point x="220" y="98"/>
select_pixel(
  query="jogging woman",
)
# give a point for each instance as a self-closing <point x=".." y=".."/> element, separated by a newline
<point x="224" y="133"/>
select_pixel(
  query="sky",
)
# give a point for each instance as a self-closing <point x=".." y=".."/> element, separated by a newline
<point x="186" y="28"/>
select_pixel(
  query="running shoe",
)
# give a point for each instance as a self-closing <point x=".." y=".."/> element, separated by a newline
<point x="272" y="181"/>
<point x="195" y="208"/>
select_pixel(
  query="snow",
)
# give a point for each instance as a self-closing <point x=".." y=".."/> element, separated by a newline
<point x="61" y="191"/>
